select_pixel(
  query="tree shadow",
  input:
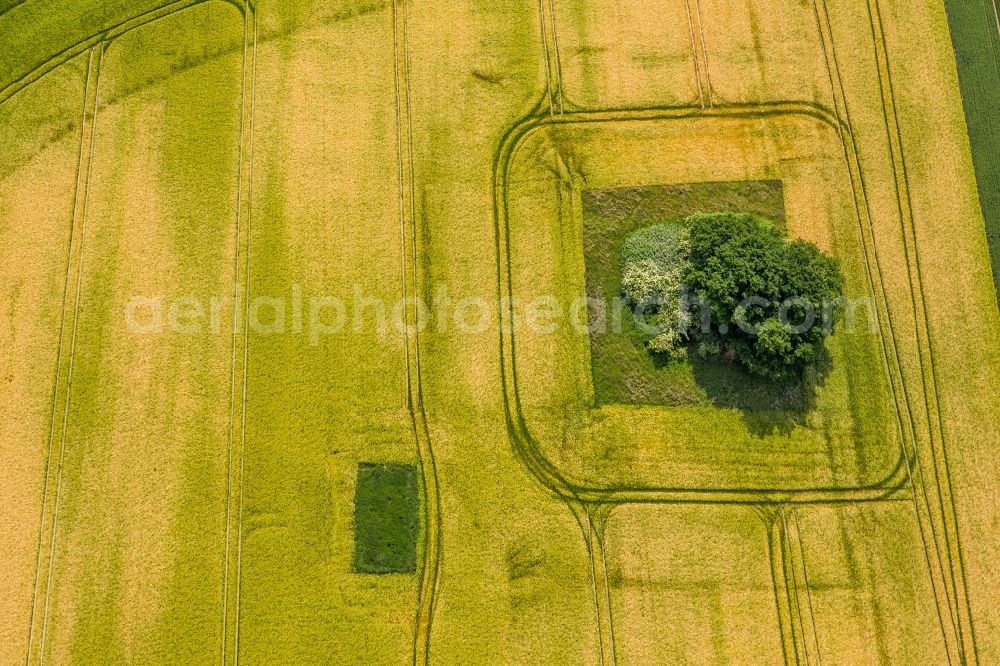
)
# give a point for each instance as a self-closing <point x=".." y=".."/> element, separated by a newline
<point x="767" y="406"/>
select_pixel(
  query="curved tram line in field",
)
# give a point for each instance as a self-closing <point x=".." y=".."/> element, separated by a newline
<point x="97" y="45"/>
<point x="409" y="271"/>
<point x="591" y="506"/>
<point x="63" y="379"/>
<point x="533" y="457"/>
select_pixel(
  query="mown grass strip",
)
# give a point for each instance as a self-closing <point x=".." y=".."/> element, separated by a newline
<point x="976" y="39"/>
<point x="386" y="519"/>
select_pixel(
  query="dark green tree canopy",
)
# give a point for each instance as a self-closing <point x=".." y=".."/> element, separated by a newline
<point x="771" y="300"/>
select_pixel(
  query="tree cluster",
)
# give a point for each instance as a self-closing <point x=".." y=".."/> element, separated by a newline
<point x="735" y="284"/>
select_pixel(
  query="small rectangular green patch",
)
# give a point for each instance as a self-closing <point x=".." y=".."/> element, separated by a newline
<point x="386" y="519"/>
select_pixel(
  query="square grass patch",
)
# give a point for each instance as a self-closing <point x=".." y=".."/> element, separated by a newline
<point x="386" y="519"/>
<point x="623" y="370"/>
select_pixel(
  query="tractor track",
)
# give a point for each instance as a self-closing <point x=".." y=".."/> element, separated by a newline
<point x="410" y="275"/>
<point x="902" y="476"/>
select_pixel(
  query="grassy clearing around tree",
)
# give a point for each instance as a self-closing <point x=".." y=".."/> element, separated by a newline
<point x="976" y="39"/>
<point x="386" y="519"/>
<point x="844" y="435"/>
<point x="624" y="371"/>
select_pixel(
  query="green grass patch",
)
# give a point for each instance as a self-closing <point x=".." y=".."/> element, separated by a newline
<point x="624" y="371"/>
<point x="386" y="519"/>
<point x="974" y="35"/>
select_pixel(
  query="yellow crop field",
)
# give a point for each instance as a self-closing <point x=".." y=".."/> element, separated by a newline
<point x="312" y="345"/>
